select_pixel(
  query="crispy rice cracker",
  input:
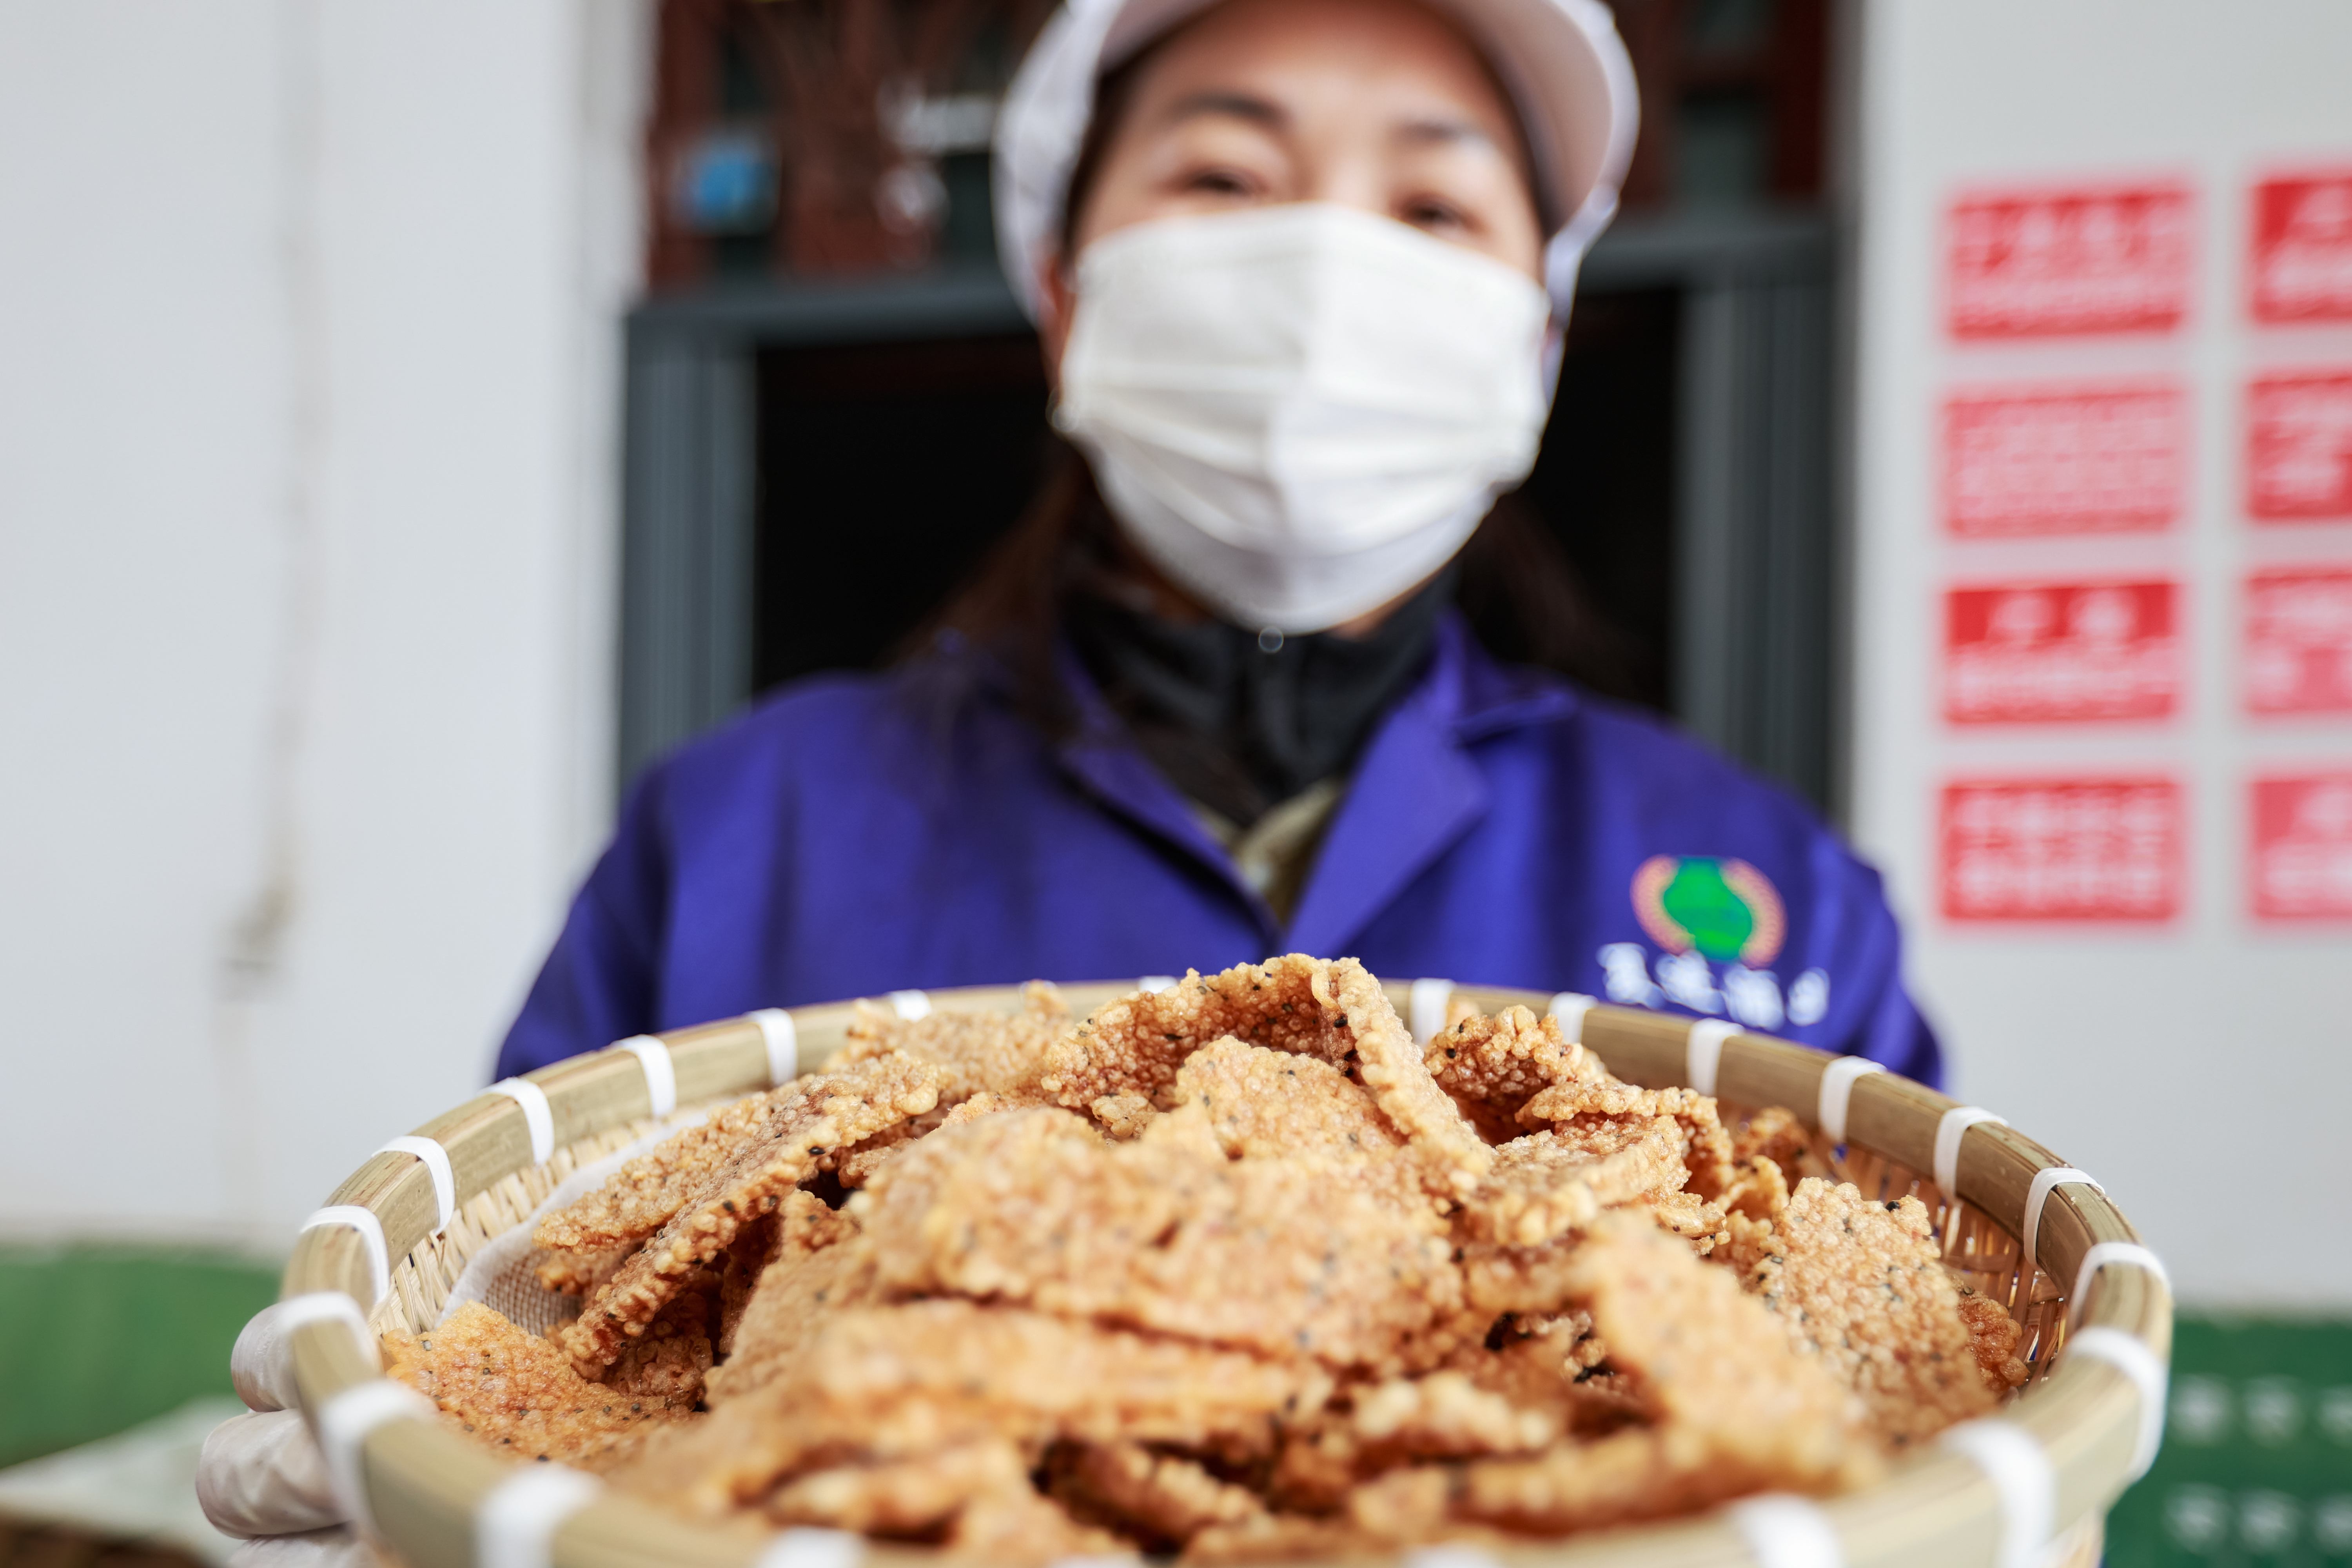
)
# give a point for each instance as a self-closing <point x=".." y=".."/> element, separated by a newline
<point x="1736" y="1407"/>
<point x="1017" y="1526"/>
<point x="642" y="1195"/>
<point x="801" y="1125"/>
<point x="1546" y="1183"/>
<point x="900" y="1496"/>
<point x="1861" y="1285"/>
<point x="870" y="1384"/>
<point x="1993" y="1336"/>
<point x="1493" y="1066"/>
<point x="519" y="1394"/>
<point x="1281" y="1257"/>
<point x="1160" y="1499"/>
<point x="973" y="1051"/>
<point x="1706" y="1148"/>
<point x="1333" y="1011"/>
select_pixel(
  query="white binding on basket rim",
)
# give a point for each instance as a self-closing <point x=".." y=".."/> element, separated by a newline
<point x="537" y="1115"/>
<point x="2098" y="1256"/>
<point x="1703" y="1054"/>
<point x="1954" y="1127"/>
<point x="2128" y="1355"/>
<point x="1425" y="1013"/>
<point x="344" y="1422"/>
<point x="1568" y="1010"/>
<point x="1785" y="1530"/>
<point x="370" y="1230"/>
<point x="808" y="1547"/>
<point x="1441" y="1557"/>
<point x="661" y="1074"/>
<point x="782" y="1038"/>
<point x="1837" y="1092"/>
<point x="911" y="1004"/>
<point x="515" y="1525"/>
<point x="1153" y="985"/>
<point x="2023" y="1474"/>
<point x="435" y="1160"/>
<point x="331" y="1307"/>
<point x="2029" y="1235"/>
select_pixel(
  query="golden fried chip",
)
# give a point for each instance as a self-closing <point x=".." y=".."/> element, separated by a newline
<point x="801" y="1125"/>
<point x="1334" y="1011"/>
<point x="1548" y="1183"/>
<point x="1161" y="1500"/>
<point x="1493" y="1066"/>
<point x="641" y="1197"/>
<point x="900" y="1496"/>
<point x="1015" y="1526"/>
<point x="1706" y="1147"/>
<point x="1860" y="1286"/>
<point x="1003" y="1052"/>
<point x="877" y="1382"/>
<point x="1276" y="1255"/>
<point x="519" y="1394"/>
<point x="1993" y="1336"/>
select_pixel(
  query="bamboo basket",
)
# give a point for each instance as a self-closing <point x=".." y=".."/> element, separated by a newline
<point x="2027" y="1489"/>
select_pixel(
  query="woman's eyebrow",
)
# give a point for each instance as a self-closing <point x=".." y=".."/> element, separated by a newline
<point x="1234" y="104"/>
<point x="1442" y="129"/>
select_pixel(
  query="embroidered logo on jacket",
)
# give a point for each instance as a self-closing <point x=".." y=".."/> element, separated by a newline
<point x="1722" y="910"/>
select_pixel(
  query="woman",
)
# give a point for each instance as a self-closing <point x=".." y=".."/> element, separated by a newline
<point x="1301" y="305"/>
<point x="1299" y="268"/>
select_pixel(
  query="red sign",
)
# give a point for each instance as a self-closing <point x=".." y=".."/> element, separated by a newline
<point x="2299" y="640"/>
<point x="2064" y="459"/>
<point x="2062" y="849"/>
<point x="2094" y="260"/>
<point x="2027" y="653"/>
<point x="2299" y="446"/>
<point x="2302" y="265"/>
<point x="2303" y="848"/>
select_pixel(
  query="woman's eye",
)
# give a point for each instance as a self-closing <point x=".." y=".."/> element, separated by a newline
<point x="1219" y="183"/>
<point x="1429" y="213"/>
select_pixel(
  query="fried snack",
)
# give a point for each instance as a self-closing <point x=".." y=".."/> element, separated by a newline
<point x="1161" y="1500"/>
<point x="1281" y="1257"/>
<point x="1735" y="1406"/>
<point x="1228" y="1273"/>
<point x="799" y="1124"/>
<point x="972" y="1051"/>
<point x="1860" y="1287"/>
<point x="1333" y="1011"/>
<point x="1548" y="1183"/>
<point x="879" y="1382"/>
<point x="642" y="1195"/>
<point x="1993" y="1336"/>
<point x="1493" y="1066"/>
<point x="517" y="1393"/>
<point x="900" y="1496"/>
<point x="1707" y="1148"/>
<point x="1016" y="1525"/>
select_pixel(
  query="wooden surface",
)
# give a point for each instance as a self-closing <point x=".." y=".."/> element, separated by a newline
<point x="1935" y="1511"/>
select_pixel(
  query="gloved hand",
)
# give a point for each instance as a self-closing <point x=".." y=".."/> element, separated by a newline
<point x="261" y="1475"/>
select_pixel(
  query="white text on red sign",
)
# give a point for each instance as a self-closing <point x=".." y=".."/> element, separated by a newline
<point x="2105" y="258"/>
<point x="2064" y="459"/>
<point x="2061" y="652"/>
<point x="2301" y="265"/>
<point x="2301" y="859"/>
<point x="2299" y="446"/>
<point x="2299" y="640"/>
<point x="2061" y="849"/>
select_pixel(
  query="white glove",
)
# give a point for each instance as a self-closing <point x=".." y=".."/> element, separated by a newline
<point x="262" y="1477"/>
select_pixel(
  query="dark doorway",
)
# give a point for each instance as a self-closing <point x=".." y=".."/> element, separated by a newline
<point x="886" y="469"/>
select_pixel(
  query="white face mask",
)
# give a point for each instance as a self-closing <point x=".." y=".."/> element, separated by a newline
<point x="1299" y="412"/>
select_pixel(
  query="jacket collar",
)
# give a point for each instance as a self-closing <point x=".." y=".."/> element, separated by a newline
<point x="1417" y="789"/>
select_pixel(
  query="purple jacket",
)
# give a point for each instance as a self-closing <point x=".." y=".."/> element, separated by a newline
<point x="856" y="835"/>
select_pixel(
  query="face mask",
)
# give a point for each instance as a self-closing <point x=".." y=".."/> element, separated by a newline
<point x="1298" y="413"/>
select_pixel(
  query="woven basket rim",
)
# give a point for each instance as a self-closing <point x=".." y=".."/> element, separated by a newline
<point x="423" y="1487"/>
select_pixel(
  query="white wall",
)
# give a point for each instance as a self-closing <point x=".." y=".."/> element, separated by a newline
<point x="2200" y="1068"/>
<point x="308" y="338"/>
